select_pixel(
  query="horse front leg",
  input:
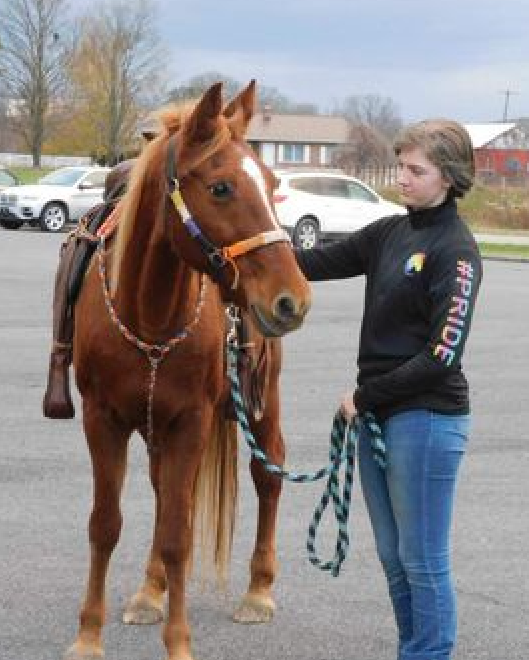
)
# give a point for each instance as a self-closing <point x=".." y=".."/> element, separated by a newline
<point x="180" y="459"/>
<point x="146" y="606"/>
<point x="107" y="443"/>
<point x="258" y="606"/>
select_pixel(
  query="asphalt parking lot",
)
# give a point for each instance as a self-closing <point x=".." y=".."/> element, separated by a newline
<point x="45" y="487"/>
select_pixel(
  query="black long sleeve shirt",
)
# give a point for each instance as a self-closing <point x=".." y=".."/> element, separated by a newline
<point x="423" y="271"/>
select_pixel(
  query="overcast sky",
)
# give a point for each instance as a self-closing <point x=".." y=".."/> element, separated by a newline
<point x="451" y="58"/>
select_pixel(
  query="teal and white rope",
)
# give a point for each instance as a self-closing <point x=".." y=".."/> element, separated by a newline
<point x="344" y="438"/>
<point x="340" y="430"/>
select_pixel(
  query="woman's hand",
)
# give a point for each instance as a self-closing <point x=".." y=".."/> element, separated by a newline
<point x="347" y="406"/>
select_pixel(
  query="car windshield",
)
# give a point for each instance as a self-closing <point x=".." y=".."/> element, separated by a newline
<point x="62" y="177"/>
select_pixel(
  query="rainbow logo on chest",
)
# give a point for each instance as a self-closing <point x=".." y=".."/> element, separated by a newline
<point x="414" y="263"/>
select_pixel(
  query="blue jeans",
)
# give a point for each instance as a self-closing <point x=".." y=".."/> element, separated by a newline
<point x="410" y="507"/>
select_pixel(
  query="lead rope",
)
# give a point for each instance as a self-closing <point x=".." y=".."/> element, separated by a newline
<point x="344" y="436"/>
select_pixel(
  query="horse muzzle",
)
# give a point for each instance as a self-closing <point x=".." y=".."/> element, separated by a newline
<point x="286" y="314"/>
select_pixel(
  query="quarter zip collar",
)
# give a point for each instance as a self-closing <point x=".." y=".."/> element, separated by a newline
<point x="431" y="216"/>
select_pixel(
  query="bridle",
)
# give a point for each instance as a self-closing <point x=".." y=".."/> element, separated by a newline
<point x="218" y="258"/>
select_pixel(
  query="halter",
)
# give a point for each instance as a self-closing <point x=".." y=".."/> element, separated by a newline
<point x="217" y="257"/>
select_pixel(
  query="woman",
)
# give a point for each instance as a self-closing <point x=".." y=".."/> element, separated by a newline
<point x="423" y="270"/>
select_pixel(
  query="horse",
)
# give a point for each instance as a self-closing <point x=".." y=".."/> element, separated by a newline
<point x="197" y="231"/>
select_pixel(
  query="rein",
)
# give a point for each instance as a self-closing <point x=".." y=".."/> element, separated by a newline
<point x="344" y="438"/>
<point x="217" y="257"/>
<point x="155" y="353"/>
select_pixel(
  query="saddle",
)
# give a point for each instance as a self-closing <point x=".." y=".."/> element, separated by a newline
<point x="82" y="242"/>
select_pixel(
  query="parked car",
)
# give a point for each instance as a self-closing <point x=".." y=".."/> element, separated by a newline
<point x="62" y="196"/>
<point x="318" y="206"/>
<point x="7" y="179"/>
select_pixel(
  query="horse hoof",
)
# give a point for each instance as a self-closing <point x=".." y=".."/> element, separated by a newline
<point x="80" y="651"/>
<point x="255" y="609"/>
<point x="142" y="611"/>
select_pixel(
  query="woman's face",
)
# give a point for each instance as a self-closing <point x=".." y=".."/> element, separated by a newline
<point x="420" y="182"/>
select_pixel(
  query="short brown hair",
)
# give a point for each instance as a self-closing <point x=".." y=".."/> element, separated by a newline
<point x="447" y="145"/>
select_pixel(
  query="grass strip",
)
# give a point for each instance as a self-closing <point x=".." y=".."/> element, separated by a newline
<point x="504" y="250"/>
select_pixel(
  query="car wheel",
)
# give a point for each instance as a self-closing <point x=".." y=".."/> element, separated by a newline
<point x="53" y="217"/>
<point x="306" y="234"/>
<point x="8" y="224"/>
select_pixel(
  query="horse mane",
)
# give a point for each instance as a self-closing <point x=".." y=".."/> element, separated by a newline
<point x="146" y="167"/>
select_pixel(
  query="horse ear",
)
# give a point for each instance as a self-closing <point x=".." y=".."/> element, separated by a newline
<point x="200" y="127"/>
<point x="240" y="110"/>
<point x="203" y="121"/>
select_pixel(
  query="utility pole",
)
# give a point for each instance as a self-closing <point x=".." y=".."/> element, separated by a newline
<point x="508" y="93"/>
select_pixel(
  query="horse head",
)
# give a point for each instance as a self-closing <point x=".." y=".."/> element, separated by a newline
<point x="216" y="208"/>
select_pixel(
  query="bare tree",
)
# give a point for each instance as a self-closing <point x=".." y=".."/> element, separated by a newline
<point x="117" y="73"/>
<point x="4" y="124"/>
<point x="268" y="96"/>
<point x="194" y="87"/>
<point x="373" y="110"/>
<point x="365" y="147"/>
<point x="31" y="64"/>
<point x="278" y="102"/>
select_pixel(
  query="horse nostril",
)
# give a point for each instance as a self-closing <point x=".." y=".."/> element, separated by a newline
<point x="285" y="308"/>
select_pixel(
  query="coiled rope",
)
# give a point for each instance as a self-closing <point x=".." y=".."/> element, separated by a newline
<point x="344" y="437"/>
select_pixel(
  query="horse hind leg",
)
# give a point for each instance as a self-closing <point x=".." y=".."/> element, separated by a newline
<point x="146" y="607"/>
<point x="108" y="450"/>
<point x="258" y="606"/>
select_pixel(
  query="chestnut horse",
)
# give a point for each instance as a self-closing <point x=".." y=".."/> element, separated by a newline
<point x="197" y="229"/>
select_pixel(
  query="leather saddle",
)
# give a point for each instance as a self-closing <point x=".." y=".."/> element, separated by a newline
<point x="82" y="243"/>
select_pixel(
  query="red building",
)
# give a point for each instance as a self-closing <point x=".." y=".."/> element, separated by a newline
<point x="501" y="151"/>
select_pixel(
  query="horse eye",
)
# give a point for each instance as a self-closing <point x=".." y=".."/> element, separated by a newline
<point x="220" y="190"/>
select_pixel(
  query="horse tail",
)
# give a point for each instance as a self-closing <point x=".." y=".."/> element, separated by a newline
<point x="215" y="498"/>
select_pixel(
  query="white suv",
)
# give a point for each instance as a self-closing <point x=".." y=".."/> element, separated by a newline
<point x="314" y="206"/>
<point x="61" y="196"/>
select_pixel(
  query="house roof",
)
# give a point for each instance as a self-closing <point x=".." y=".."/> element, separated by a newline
<point x="330" y="129"/>
<point x="320" y="129"/>
<point x="483" y="134"/>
